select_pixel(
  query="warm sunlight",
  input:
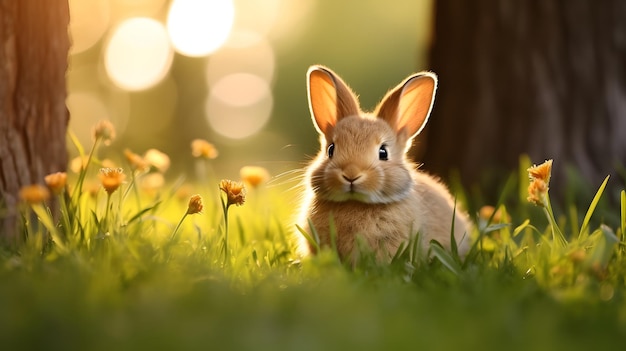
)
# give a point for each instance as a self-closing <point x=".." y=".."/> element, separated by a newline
<point x="245" y="51"/>
<point x="198" y="27"/>
<point x="138" y="54"/>
<point x="90" y="20"/>
<point x="239" y="105"/>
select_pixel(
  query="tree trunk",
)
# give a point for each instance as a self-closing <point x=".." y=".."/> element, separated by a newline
<point x="34" y="45"/>
<point x="545" y="78"/>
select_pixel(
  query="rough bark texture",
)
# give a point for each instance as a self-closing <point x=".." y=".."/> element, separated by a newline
<point x="34" y="45"/>
<point x="541" y="77"/>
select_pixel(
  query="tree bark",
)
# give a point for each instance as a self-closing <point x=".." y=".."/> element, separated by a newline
<point x="34" y="45"/>
<point x="545" y="78"/>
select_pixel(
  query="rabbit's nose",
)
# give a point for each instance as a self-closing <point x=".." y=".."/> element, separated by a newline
<point x="350" y="179"/>
<point x="351" y="174"/>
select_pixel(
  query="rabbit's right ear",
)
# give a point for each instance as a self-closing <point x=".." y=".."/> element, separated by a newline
<point x="330" y="99"/>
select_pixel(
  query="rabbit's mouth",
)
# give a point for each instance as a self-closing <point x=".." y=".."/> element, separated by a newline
<point x="351" y="192"/>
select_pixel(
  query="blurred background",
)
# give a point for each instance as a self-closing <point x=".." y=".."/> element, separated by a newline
<point x="232" y="72"/>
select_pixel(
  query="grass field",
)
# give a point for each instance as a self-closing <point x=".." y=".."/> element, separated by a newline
<point x="122" y="275"/>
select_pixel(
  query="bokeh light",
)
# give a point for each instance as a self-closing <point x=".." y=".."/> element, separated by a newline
<point x="239" y="105"/>
<point x="246" y="52"/>
<point x="200" y="27"/>
<point x="90" y="20"/>
<point x="257" y="16"/>
<point x="87" y="109"/>
<point x="138" y="54"/>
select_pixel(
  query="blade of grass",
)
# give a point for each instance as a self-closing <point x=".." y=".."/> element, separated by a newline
<point x="583" y="233"/>
<point x="623" y="216"/>
<point x="445" y="258"/>
<point x="309" y="238"/>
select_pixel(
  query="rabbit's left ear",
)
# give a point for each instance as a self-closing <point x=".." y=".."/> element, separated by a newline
<point x="407" y="107"/>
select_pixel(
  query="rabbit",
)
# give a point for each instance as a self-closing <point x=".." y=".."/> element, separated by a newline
<point x="362" y="178"/>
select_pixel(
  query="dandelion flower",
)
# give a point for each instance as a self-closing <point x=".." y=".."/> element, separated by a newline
<point x="157" y="159"/>
<point x="56" y="181"/>
<point x="539" y="181"/>
<point x="195" y="204"/>
<point x="536" y="190"/>
<point x="203" y="149"/>
<point x="104" y="130"/>
<point x="235" y="192"/>
<point x="136" y="161"/>
<point x="34" y="194"/>
<point x="542" y="171"/>
<point x="111" y="178"/>
<point x="254" y="176"/>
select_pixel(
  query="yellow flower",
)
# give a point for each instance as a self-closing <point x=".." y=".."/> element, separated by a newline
<point x="157" y="159"/>
<point x="235" y="192"/>
<point x="254" y="176"/>
<point x="136" y="161"/>
<point x="34" y="194"/>
<point x="195" y="204"/>
<point x="56" y="181"/>
<point x="539" y="181"/>
<point x="104" y="130"/>
<point x="204" y="149"/>
<point x="111" y="178"/>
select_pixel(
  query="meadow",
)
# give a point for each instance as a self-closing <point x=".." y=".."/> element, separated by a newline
<point x="132" y="262"/>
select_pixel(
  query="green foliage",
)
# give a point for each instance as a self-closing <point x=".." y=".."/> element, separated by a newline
<point x="134" y="275"/>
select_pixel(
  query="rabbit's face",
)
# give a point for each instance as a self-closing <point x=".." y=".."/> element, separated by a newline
<point x="362" y="161"/>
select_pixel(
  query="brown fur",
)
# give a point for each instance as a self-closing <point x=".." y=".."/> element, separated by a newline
<point x="385" y="202"/>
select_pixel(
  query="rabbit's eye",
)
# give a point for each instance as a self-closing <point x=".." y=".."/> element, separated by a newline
<point x="383" y="154"/>
<point x="331" y="150"/>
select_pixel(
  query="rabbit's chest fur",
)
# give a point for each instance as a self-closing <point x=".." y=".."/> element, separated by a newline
<point x="384" y="227"/>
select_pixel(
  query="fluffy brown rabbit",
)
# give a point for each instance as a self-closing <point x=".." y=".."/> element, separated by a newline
<point x="362" y="177"/>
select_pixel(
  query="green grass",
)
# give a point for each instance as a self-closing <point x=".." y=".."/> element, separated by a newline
<point x="117" y="278"/>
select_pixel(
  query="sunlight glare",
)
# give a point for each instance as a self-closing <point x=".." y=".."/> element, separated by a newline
<point x="138" y="54"/>
<point x="200" y="27"/>
<point x="90" y="19"/>
<point x="239" y="105"/>
<point x="256" y="57"/>
<point x="86" y="109"/>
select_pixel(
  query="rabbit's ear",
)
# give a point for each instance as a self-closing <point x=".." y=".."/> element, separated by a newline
<point x="330" y="99"/>
<point x="407" y="107"/>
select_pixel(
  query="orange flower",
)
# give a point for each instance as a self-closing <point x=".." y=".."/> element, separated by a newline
<point x="195" y="204"/>
<point x="78" y="163"/>
<point x="111" y="178"/>
<point x="34" y="194"/>
<point x="542" y="171"/>
<point x="536" y="189"/>
<point x="204" y="149"/>
<point x="136" y="161"/>
<point x="235" y="192"/>
<point x="487" y="211"/>
<point x="157" y="159"/>
<point x="254" y="176"/>
<point x="104" y="130"/>
<point x="539" y="181"/>
<point x="56" y="181"/>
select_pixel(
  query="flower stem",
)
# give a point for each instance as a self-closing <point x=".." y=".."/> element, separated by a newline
<point x="173" y="236"/>
<point x="83" y="171"/>
<point x="557" y="235"/>
<point x="225" y="206"/>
